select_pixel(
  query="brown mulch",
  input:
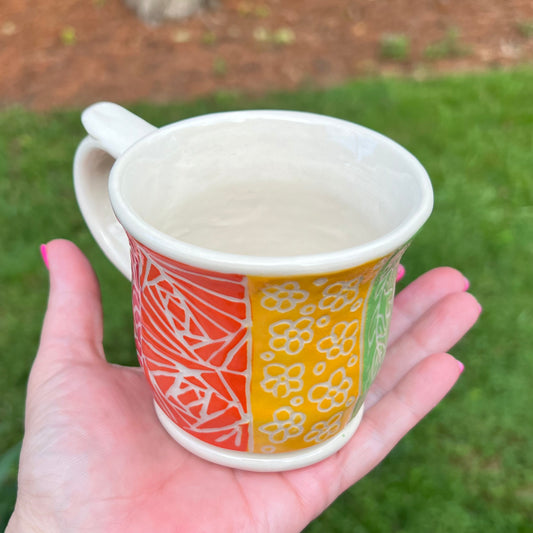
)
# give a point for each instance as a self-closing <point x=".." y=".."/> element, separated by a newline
<point x="73" y="52"/>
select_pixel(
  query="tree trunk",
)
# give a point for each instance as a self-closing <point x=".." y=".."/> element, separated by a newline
<point x="154" y="11"/>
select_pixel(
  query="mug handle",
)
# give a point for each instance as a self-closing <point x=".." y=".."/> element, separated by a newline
<point x="112" y="130"/>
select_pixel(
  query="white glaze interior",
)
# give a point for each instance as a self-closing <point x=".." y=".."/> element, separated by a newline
<point x="380" y="180"/>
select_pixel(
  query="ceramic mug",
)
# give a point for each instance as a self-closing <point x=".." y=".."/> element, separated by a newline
<point x="256" y="361"/>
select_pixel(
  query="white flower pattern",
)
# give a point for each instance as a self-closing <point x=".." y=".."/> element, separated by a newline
<point x="281" y="380"/>
<point x="332" y="393"/>
<point x="290" y="336"/>
<point x="342" y="340"/>
<point x="286" y="424"/>
<point x="284" y="297"/>
<point x="340" y="294"/>
<point x="322" y="431"/>
<point x="311" y="353"/>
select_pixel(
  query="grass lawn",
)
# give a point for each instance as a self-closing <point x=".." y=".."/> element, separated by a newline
<point x="469" y="466"/>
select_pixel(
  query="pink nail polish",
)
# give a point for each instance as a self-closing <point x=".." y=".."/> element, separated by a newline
<point x="461" y="366"/>
<point x="44" y="254"/>
<point x="401" y="273"/>
<point x="467" y="284"/>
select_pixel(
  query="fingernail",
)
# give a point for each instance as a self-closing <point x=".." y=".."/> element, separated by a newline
<point x="461" y="366"/>
<point x="44" y="254"/>
<point x="401" y="273"/>
<point x="467" y="284"/>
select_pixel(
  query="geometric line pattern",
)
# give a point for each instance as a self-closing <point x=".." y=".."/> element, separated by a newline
<point x="192" y="333"/>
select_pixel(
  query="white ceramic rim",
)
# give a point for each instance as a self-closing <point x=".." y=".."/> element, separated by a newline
<point x="258" y="462"/>
<point x="257" y="265"/>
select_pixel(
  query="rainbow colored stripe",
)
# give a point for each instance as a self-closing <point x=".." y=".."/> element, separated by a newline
<point x="264" y="365"/>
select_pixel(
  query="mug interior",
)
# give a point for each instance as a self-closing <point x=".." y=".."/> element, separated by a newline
<point x="338" y="174"/>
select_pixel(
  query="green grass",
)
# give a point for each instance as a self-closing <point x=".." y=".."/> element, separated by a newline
<point x="395" y="46"/>
<point x="449" y="46"/>
<point x="525" y="28"/>
<point x="469" y="466"/>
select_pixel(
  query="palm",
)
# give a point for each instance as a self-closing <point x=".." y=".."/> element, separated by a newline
<point x="95" y="448"/>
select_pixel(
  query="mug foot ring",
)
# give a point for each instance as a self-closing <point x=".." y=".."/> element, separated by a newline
<point x="255" y="461"/>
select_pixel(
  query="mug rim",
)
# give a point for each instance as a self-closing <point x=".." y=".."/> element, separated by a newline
<point x="226" y="262"/>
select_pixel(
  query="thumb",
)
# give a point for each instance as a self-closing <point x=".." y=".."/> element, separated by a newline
<point x="73" y="320"/>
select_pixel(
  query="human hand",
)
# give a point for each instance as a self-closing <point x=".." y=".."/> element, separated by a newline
<point x="87" y="467"/>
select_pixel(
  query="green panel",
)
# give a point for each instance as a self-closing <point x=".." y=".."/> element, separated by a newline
<point x="378" y="314"/>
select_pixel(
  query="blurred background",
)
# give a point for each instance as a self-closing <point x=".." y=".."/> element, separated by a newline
<point x="451" y="80"/>
<point x="70" y="53"/>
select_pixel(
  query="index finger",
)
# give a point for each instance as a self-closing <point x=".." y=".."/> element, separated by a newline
<point x="421" y="295"/>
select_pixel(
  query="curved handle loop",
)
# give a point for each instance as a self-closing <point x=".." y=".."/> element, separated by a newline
<point x="112" y="130"/>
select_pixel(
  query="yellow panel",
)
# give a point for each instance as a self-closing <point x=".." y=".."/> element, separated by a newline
<point x="306" y="356"/>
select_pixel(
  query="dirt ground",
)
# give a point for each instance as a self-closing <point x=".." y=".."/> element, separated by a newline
<point x="73" y="52"/>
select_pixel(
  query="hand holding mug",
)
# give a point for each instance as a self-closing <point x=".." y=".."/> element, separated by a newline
<point x="95" y="457"/>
